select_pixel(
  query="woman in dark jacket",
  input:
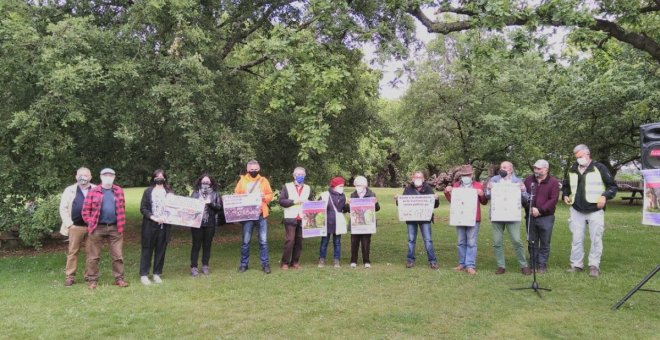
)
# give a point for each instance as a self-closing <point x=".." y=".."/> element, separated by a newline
<point x="361" y="191"/>
<point x="335" y="209"/>
<point x="205" y="189"/>
<point x="155" y="233"/>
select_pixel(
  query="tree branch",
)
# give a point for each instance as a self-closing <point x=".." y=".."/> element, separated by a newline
<point x="650" y="9"/>
<point x="640" y="41"/>
<point x="251" y="64"/>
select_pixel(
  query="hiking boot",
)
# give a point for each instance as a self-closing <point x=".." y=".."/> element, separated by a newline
<point x="500" y="271"/>
<point x="574" y="270"/>
<point x="145" y="280"/>
<point x="194" y="271"/>
<point x="69" y="281"/>
<point x="594" y="271"/>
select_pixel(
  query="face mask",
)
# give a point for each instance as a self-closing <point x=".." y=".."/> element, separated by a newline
<point x="418" y="182"/>
<point x="361" y="190"/>
<point x="300" y="179"/>
<point x="105" y="180"/>
<point x="582" y="161"/>
<point x="339" y="189"/>
<point x="466" y="180"/>
<point x="83" y="180"/>
<point x="503" y="173"/>
<point x="159" y="181"/>
<point x="253" y="173"/>
<point x="206" y="188"/>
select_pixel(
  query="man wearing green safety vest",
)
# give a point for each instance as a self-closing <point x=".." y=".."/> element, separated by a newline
<point x="587" y="189"/>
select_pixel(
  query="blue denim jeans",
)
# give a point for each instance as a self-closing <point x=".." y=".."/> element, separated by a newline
<point x="248" y="226"/>
<point x="426" y="235"/>
<point x="467" y="245"/>
<point x="336" y="241"/>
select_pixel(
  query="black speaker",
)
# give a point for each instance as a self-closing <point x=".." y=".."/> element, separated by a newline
<point x="650" y="141"/>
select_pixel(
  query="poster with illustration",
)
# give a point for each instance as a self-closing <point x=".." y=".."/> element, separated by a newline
<point x="363" y="215"/>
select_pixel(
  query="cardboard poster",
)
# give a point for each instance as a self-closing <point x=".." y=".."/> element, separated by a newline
<point x="245" y="207"/>
<point x="314" y="219"/>
<point x="463" y="207"/>
<point x="183" y="211"/>
<point x="505" y="202"/>
<point x="415" y="207"/>
<point x="363" y="215"/>
<point x="651" y="209"/>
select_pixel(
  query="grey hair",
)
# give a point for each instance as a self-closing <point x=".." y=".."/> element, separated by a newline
<point x="300" y="168"/>
<point x="252" y="162"/>
<point x="83" y="169"/>
<point x="419" y="172"/>
<point x="581" y="147"/>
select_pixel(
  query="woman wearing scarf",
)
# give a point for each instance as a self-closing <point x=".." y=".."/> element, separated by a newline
<point x="155" y="233"/>
<point x="205" y="189"/>
<point x="336" y="222"/>
<point x="361" y="191"/>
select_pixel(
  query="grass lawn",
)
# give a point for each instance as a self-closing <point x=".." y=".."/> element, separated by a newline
<point x="386" y="301"/>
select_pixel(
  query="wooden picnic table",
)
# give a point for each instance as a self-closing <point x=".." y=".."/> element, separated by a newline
<point x="633" y="196"/>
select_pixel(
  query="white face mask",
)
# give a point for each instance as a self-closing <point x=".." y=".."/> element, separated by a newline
<point x="582" y="161"/>
<point x="466" y="180"/>
<point x="105" y="180"/>
<point x="418" y="182"/>
<point x="339" y="189"/>
<point x="83" y="180"/>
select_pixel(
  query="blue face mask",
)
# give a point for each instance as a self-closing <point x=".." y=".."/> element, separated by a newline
<point x="466" y="180"/>
<point x="300" y="179"/>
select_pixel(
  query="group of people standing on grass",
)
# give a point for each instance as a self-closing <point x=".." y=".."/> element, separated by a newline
<point x="97" y="213"/>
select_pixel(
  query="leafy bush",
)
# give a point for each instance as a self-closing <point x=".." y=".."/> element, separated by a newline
<point x="44" y="219"/>
<point x="33" y="220"/>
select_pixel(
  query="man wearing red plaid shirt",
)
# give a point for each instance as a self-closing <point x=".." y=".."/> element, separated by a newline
<point x="104" y="211"/>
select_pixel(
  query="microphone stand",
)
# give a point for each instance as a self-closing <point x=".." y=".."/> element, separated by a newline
<point x="535" y="285"/>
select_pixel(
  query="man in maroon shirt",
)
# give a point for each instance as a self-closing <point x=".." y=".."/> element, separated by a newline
<point x="545" y="189"/>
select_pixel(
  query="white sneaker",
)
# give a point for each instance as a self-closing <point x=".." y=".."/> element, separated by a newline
<point x="157" y="279"/>
<point x="367" y="265"/>
<point x="145" y="280"/>
<point x="353" y="265"/>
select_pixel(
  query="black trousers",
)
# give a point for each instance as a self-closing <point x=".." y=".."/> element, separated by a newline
<point x="154" y="244"/>
<point x="356" y="240"/>
<point x="201" y="238"/>
<point x="540" y="231"/>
